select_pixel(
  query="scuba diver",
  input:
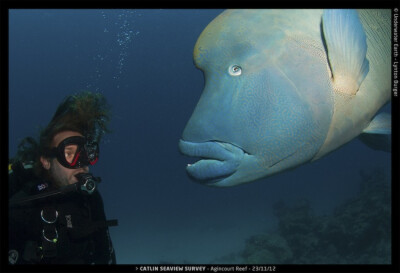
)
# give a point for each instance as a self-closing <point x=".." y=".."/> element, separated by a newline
<point x="56" y="213"/>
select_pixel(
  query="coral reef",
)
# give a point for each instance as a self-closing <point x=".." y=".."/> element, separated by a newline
<point x="357" y="232"/>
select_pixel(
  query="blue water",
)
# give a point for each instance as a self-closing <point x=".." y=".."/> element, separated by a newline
<point x="141" y="60"/>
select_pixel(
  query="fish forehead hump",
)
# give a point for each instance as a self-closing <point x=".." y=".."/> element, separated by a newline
<point x="260" y="29"/>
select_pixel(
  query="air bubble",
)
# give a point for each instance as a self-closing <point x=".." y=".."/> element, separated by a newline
<point x="119" y="26"/>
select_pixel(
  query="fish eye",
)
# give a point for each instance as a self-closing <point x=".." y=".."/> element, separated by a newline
<point x="235" y="70"/>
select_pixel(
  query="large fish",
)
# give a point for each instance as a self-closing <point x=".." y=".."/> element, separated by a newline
<point x="286" y="87"/>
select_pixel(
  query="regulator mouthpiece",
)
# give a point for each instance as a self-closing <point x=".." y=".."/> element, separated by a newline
<point x="87" y="183"/>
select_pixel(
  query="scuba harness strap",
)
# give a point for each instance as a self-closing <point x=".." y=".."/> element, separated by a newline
<point x="86" y="184"/>
<point x="49" y="217"/>
<point x="50" y="233"/>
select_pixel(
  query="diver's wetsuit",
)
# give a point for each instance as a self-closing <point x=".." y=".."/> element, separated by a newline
<point x="80" y="229"/>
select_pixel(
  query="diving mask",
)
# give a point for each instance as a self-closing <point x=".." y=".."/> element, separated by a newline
<point x="76" y="152"/>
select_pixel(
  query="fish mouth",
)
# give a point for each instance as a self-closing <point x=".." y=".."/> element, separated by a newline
<point x="218" y="160"/>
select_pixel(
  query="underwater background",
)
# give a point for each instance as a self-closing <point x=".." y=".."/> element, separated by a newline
<point x="335" y="210"/>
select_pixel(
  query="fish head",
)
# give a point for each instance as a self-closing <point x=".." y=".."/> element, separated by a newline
<point x="252" y="119"/>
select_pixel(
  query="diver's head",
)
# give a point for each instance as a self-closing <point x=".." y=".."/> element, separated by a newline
<point x="69" y="144"/>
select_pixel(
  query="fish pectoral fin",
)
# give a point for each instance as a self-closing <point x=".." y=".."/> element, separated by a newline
<point x="380" y="124"/>
<point x="346" y="46"/>
<point x="378" y="133"/>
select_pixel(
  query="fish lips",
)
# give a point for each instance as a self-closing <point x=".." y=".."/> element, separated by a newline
<point x="218" y="160"/>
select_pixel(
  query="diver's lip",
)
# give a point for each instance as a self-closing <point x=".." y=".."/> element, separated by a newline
<point x="218" y="160"/>
<point x="78" y="173"/>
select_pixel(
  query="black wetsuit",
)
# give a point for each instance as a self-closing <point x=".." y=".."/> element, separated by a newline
<point x="76" y="221"/>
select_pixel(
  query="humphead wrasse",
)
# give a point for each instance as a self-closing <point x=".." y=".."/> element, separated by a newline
<point x="286" y="87"/>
